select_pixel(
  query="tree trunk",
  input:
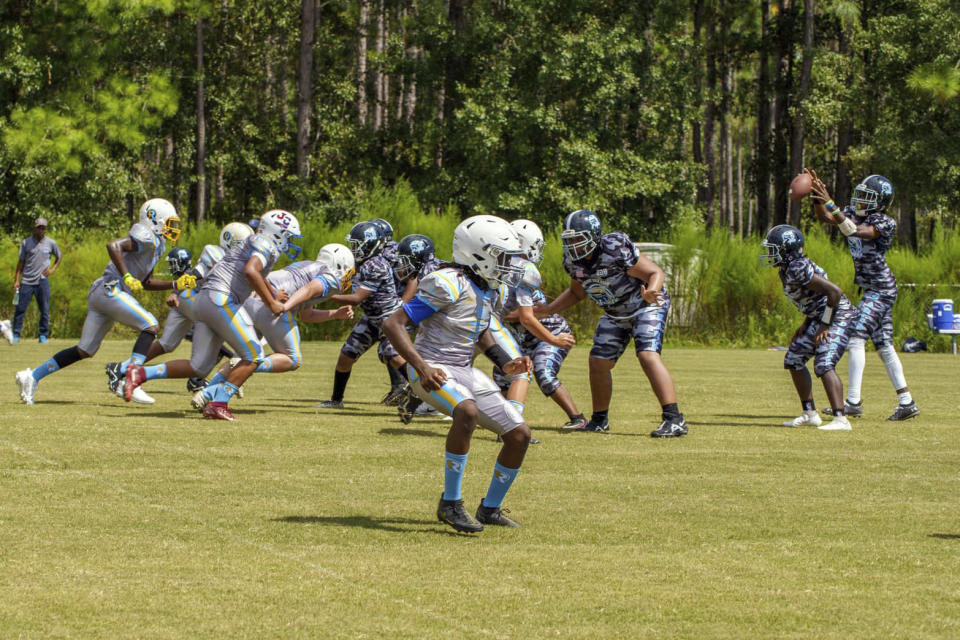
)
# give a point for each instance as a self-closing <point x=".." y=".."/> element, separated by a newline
<point x="707" y="195"/>
<point x="201" y="168"/>
<point x="797" y="134"/>
<point x="908" y="221"/>
<point x="739" y="185"/>
<point x="401" y="77"/>
<point x="363" y="25"/>
<point x="762" y="173"/>
<point x="305" y="89"/>
<point x="379" y="82"/>
<point x="697" y="81"/>
<point x="841" y="189"/>
<point x="781" y="111"/>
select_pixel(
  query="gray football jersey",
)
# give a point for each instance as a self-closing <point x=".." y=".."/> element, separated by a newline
<point x="299" y="275"/>
<point x="209" y="257"/>
<point x="227" y="275"/>
<point x="140" y="262"/>
<point x="462" y="313"/>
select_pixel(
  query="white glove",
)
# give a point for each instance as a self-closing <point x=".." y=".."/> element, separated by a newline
<point x="848" y="227"/>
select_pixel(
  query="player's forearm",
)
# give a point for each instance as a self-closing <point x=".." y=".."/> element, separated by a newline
<point x="395" y="328"/>
<point x="258" y="283"/>
<point x="559" y="304"/>
<point x="17" y="274"/>
<point x="314" y="316"/>
<point x="350" y="298"/>
<point x="531" y="324"/>
<point x="152" y="284"/>
<point x="410" y="290"/>
<point x="313" y="289"/>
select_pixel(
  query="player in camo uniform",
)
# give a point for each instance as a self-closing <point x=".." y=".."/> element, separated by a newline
<point x="110" y="299"/>
<point x="452" y="311"/>
<point x="829" y="323"/>
<point x="869" y="232"/>
<point x="628" y="286"/>
<point x="406" y="290"/>
<point x="375" y="290"/>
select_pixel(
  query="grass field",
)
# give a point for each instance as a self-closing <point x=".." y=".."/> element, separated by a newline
<point x="134" y="521"/>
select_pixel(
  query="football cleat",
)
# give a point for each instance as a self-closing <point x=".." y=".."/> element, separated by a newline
<point x="114" y="377"/>
<point x="670" y="429"/>
<point x="329" y="404"/>
<point x="805" y="419"/>
<point x="6" y="331"/>
<point x="27" y="385"/>
<point x="453" y="513"/>
<point x="426" y="410"/>
<point x="396" y="395"/>
<point x="601" y="426"/>
<point x="195" y="384"/>
<point x="136" y="376"/>
<point x="839" y="423"/>
<point x="904" y="412"/>
<point x="139" y="395"/>
<point x="218" y="411"/>
<point x="850" y="409"/>
<point x="495" y="516"/>
<point x="575" y="423"/>
<point x="199" y="401"/>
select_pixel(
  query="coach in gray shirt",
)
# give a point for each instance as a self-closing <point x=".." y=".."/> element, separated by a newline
<point x="30" y="279"/>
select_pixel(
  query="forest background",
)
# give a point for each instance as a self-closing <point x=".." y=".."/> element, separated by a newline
<point x="680" y="122"/>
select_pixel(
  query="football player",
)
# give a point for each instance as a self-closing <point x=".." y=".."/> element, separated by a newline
<point x="869" y="232"/>
<point x="110" y="298"/>
<point x="375" y="290"/>
<point x="546" y="342"/>
<point x="398" y="384"/>
<point x="628" y="286"/>
<point x="452" y="310"/>
<point x="219" y="315"/>
<point x="830" y="319"/>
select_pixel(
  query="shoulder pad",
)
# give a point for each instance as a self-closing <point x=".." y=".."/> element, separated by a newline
<point x="263" y="245"/>
<point x="141" y="233"/>
<point x="531" y="276"/>
<point x="211" y="255"/>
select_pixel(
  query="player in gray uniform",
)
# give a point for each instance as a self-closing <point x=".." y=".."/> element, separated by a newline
<point x="219" y="316"/>
<point x="110" y="299"/>
<point x="452" y="311"/>
<point x="869" y="232"/>
<point x="308" y="283"/>
<point x="608" y="269"/>
<point x="375" y="290"/>
<point x="829" y="322"/>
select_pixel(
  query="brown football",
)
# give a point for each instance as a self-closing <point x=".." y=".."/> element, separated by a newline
<point x="800" y="186"/>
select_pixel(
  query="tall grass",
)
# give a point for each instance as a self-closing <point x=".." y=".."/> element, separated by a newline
<point x="721" y="294"/>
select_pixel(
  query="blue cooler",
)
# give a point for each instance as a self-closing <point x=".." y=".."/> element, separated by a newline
<point x="956" y="322"/>
<point x="943" y="314"/>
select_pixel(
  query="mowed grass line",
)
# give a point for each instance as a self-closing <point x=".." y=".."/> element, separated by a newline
<point x="147" y="521"/>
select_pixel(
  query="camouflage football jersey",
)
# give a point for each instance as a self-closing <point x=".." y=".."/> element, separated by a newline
<point x="299" y="274"/>
<point x="796" y="276"/>
<point x="428" y="267"/>
<point x="141" y="261"/>
<point x="376" y="275"/>
<point x="605" y="279"/>
<point x="227" y="275"/>
<point x="463" y="312"/>
<point x="869" y="255"/>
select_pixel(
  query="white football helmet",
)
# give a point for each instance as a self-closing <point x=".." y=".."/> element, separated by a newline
<point x="234" y="234"/>
<point x="485" y="245"/>
<point x="161" y="216"/>
<point x="340" y="261"/>
<point x="531" y="239"/>
<point x="280" y="226"/>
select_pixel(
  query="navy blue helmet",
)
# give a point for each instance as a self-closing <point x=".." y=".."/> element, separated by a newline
<point x="872" y="195"/>
<point x="386" y="229"/>
<point x="180" y="260"/>
<point x="412" y="252"/>
<point x="365" y="240"/>
<point x="782" y="245"/>
<point x="581" y="234"/>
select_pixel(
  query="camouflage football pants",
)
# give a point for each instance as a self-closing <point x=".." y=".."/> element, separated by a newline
<point x="646" y="328"/>
<point x="827" y="355"/>
<point x="365" y="333"/>
<point x="876" y="318"/>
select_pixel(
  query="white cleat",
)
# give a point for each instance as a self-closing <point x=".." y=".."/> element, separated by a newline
<point x="27" y="385"/>
<point x="839" y="423"/>
<point x="139" y="395"/>
<point x="6" y="331"/>
<point x="805" y="419"/>
<point x="199" y="401"/>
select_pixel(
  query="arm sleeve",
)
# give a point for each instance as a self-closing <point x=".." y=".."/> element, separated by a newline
<point x="140" y="235"/>
<point x="418" y="310"/>
<point x="262" y="249"/>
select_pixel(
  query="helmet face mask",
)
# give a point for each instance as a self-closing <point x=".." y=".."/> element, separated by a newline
<point x="581" y="235"/>
<point x="873" y="194"/>
<point x="365" y="240"/>
<point x="782" y="244"/>
<point x="412" y="252"/>
<point x="161" y="216"/>
<point x="280" y="227"/>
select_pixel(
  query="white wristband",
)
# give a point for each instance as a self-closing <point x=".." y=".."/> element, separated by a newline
<point x="827" y="316"/>
<point x="848" y="227"/>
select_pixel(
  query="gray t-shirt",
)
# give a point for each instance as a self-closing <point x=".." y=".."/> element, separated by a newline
<point x="36" y="258"/>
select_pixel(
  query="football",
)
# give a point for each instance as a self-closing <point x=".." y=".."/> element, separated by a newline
<point x="800" y="186"/>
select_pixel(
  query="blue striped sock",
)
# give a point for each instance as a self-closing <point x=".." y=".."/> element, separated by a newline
<point x="218" y="378"/>
<point x="499" y="485"/>
<point x="45" y="369"/>
<point x="453" y="467"/>
<point x="157" y="371"/>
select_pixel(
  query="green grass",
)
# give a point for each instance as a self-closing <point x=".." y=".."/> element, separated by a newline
<point x="133" y="521"/>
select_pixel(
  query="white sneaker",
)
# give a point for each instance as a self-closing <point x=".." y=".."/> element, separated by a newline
<point x="805" y="419"/>
<point x="839" y="423"/>
<point x="6" y="331"/>
<point x="199" y="401"/>
<point x="27" y="385"/>
<point x="139" y="395"/>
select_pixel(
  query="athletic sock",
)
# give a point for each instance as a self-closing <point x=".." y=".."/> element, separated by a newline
<point x="224" y="392"/>
<point x="339" y="385"/>
<point x="599" y="416"/>
<point x="395" y="378"/>
<point x="264" y="366"/>
<point x="59" y="360"/>
<point x="808" y="405"/>
<point x="210" y="391"/>
<point x="454" y="465"/>
<point x="858" y="361"/>
<point x="156" y="371"/>
<point x="499" y="485"/>
<point x="142" y="347"/>
<point x="519" y="406"/>
<point x="905" y="397"/>
<point x="671" y="412"/>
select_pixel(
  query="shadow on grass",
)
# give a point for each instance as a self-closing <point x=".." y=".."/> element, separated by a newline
<point x="747" y="416"/>
<point x="945" y="536"/>
<point x="364" y="522"/>
<point x="413" y="432"/>
<point x="762" y="425"/>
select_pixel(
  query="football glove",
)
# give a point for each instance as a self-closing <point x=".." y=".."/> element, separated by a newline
<point x="848" y="227"/>
<point x="186" y="281"/>
<point x="132" y="283"/>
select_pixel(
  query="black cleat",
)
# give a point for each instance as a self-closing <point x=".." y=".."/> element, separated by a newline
<point x="407" y="408"/>
<point x="495" y="516"/>
<point x="396" y="396"/>
<point x="575" y="423"/>
<point x="602" y="426"/>
<point x="195" y="384"/>
<point x="904" y="412"/>
<point x="114" y="377"/>
<point x="453" y="513"/>
<point x="850" y="409"/>
<point x="670" y="429"/>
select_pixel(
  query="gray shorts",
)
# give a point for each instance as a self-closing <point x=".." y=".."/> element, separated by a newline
<point x="469" y="383"/>
<point x="107" y="304"/>
<point x="281" y="332"/>
<point x="220" y="319"/>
